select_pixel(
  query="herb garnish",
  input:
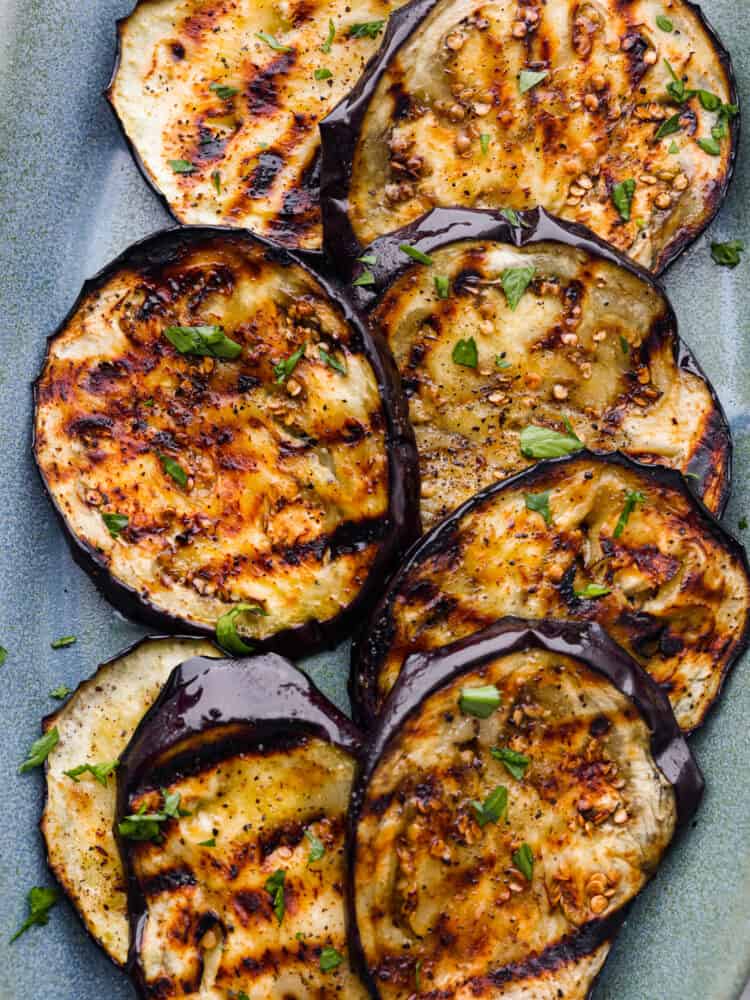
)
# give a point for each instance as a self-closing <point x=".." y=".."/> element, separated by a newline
<point x="710" y="146"/>
<point x="115" y="523"/>
<point x="226" y="629"/>
<point x="676" y="87"/>
<point x="516" y="763"/>
<point x="368" y="258"/>
<point x="216" y="180"/>
<point x="369" y="29"/>
<point x="493" y="808"/>
<point x="727" y="254"/>
<point x="173" y="469"/>
<point x="3" y="655"/>
<point x="513" y="217"/>
<point x="40" y="750"/>
<point x="622" y="196"/>
<point x="60" y="692"/>
<point x="275" y="888"/>
<point x="465" y="353"/>
<point x="211" y="842"/>
<point x="326" y="46"/>
<point x="670" y="126"/>
<point x="479" y="701"/>
<point x="271" y="42"/>
<point x="415" y="254"/>
<point x="515" y="282"/>
<point x="322" y="73"/>
<point x="182" y="166"/>
<point x="592" y="590"/>
<point x="331" y="361"/>
<point x="147" y="826"/>
<point x="742" y="524"/>
<point x="283" y="369"/>
<point x="63" y="641"/>
<point x="523" y="859"/>
<point x="41" y="901"/>
<point x="442" y="286"/>
<point x="539" y="503"/>
<point x="542" y="442"/>
<point x="222" y="91"/>
<point x="330" y="959"/>
<point x="664" y="23"/>
<point x="501" y="361"/>
<point x="203" y="341"/>
<point x="674" y="149"/>
<point x="484" y="142"/>
<point x="99" y="771"/>
<point x="632" y="498"/>
<point x="366" y="278"/>
<point x="317" y="848"/>
<point x="529" y="78"/>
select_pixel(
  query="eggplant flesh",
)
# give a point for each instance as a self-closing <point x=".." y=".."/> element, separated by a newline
<point x="244" y="487"/>
<point x="261" y="772"/>
<point x="221" y="102"/>
<point x="590" y="345"/>
<point x="442" y="904"/>
<point x="556" y="104"/>
<point x="95" y="725"/>
<point x="626" y="546"/>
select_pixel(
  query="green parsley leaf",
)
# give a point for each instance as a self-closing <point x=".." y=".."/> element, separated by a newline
<point x="60" y="692"/>
<point x="493" y="808"/>
<point x="727" y="254"/>
<point x="465" y="353"/>
<point x="331" y="361"/>
<point x="442" y="286"/>
<point x="115" y="523"/>
<point x="622" y="196"/>
<point x="674" y="149"/>
<point x="41" y="901"/>
<point x="368" y="258"/>
<point x="271" y="42"/>
<point x="216" y="180"/>
<point x="203" y="341"/>
<point x="523" y="859"/>
<point x="515" y="282"/>
<point x="283" y="369"/>
<point x="40" y="749"/>
<point x="480" y="702"/>
<point x="624" y="345"/>
<point x="632" y="498"/>
<point x="592" y="590"/>
<point x="484" y="142"/>
<point x="182" y="166"/>
<point x="369" y="29"/>
<point x="708" y="100"/>
<point x="326" y="46"/>
<point x="516" y="763"/>
<point x="366" y="278"/>
<point x="223" y="92"/>
<point x="418" y="976"/>
<point x="742" y="524"/>
<point x="501" y="362"/>
<point x="142" y="826"/>
<point x="211" y="842"/>
<point x="226" y="629"/>
<point x="99" y="771"/>
<point x="710" y="146"/>
<point x="275" y="888"/>
<point x="529" y="78"/>
<point x="539" y="502"/>
<point x="317" y="848"/>
<point x="676" y="88"/>
<point x="330" y="959"/>
<point x="664" y="23"/>
<point x="415" y="254"/>
<point x="63" y="641"/>
<point x="171" y="805"/>
<point x="3" y="655"/>
<point x="173" y="469"/>
<point x="670" y="126"/>
<point x="322" y="74"/>
<point x="542" y="442"/>
<point x="513" y="217"/>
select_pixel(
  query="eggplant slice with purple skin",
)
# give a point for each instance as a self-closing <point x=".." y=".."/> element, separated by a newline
<point x="220" y="104"/>
<point x="591" y="537"/>
<point x="585" y="340"/>
<point x="520" y="789"/>
<point x="232" y="802"/>
<point x="616" y="115"/>
<point x="221" y="436"/>
<point x="95" y="726"/>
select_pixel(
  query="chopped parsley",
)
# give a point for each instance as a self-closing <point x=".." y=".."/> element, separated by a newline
<point x="317" y="848"/>
<point x="674" y="149"/>
<point x="222" y="91"/>
<point x="442" y="286"/>
<point x="632" y="498"/>
<point x="543" y="442"/>
<point x="115" y="523"/>
<point x="330" y="959"/>
<point x="182" y="166"/>
<point x="465" y="353"/>
<point x="366" y="278"/>
<point x="283" y="369"/>
<point x="272" y="42"/>
<point x="40" y="750"/>
<point x="484" y="142"/>
<point x="592" y="590"/>
<point x="275" y="889"/>
<point x="368" y="29"/>
<point x="226" y="629"/>
<point x="368" y="258"/>
<point x="63" y="641"/>
<point x="417" y="255"/>
<point x="331" y="361"/>
<point x="539" y="503"/>
<point x="727" y="254"/>
<point x="501" y="361"/>
<point x="515" y="763"/>
<point x="494" y="807"/>
<point x="211" y="842"/>
<point x="3" y="655"/>
<point x="676" y="86"/>
<point x="670" y="126"/>
<point x="40" y="901"/>
<point x="523" y="859"/>
<point x="203" y="341"/>
<point x="326" y="46"/>
<point x="147" y="826"/>
<point x="742" y="524"/>
<point x="664" y="23"/>
<point x="60" y="692"/>
<point x="529" y="78"/>
<point x="174" y="470"/>
<point x="99" y="771"/>
<point x="710" y="146"/>
<point x="216" y="180"/>
<point x="322" y="74"/>
<point x="515" y="281"/>
<point x="622" y="196"/>
<point x="479" y="701"/>
<point x="513" y="217"/>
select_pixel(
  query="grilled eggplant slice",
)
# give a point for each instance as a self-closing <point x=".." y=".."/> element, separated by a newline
<point x="269" y="475"/>
<point x="593" y="537"/>
<point x="95" y="725"/>
<point x="251" y="770"/>
<point x="495" y="854"/>
<point x="221" y="102"/>
<point x="591" y="344"/>
<point x="588" y="108"/>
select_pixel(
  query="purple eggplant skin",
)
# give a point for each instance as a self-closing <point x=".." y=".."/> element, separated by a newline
<point x="403" y="522"/>
<point x="424" y="673"/>
<point x="443" y="226"/>
<point x="263" y="699"/>
<point x="369" y="643"/>
<point x="339" y="133"/>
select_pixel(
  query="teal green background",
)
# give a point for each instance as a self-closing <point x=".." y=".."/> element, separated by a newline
<point x="71" y="198"/>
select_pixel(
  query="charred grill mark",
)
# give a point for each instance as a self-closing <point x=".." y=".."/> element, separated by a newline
<point x="263" y="176"/>
<point x="90" y="426"/>
<point x="263" y="89"/>
<point x="169" y="881"/>
<point x="348" y="538"/>
<point x="401" y="101"/>
<point x="251" y="906"/>
<point x="103" y="379"/>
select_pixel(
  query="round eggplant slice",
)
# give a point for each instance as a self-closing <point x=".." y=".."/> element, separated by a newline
<point x="591" y="109"/>
<point x="94" y="727"/>
<point x="232" y="809"/>
<point x="592" y="537"/>
<point x="220" y="104"/>
<point x="521" y="789"/>
<point x="222" y="437"/>
<point x="536" y="324"/>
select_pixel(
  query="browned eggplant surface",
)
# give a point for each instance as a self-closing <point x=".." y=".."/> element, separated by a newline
<point x="621" y="116"/>
<point x="581" y="342"/>
<point x="515" y="802"/>
<point x="221" y="438"/>
<point x="594" y="538"/>
<point x="238" y="888"/>
<point x="95" y="725"/>
<point x="221" y="102"/>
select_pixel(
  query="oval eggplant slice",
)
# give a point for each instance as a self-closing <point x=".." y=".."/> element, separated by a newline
<point x="589" y="109"/>
<point x="95" y="725"/>
<point x="582" y="340"/>
<point x="237" y="885"/>
<point x="521" y="789"/>
<point x="591" y="537"/>
<point x="221" y="436"/>
<point x="220" y="104"/>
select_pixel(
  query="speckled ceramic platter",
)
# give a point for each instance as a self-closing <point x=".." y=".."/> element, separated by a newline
<point x="71" y="198"/>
